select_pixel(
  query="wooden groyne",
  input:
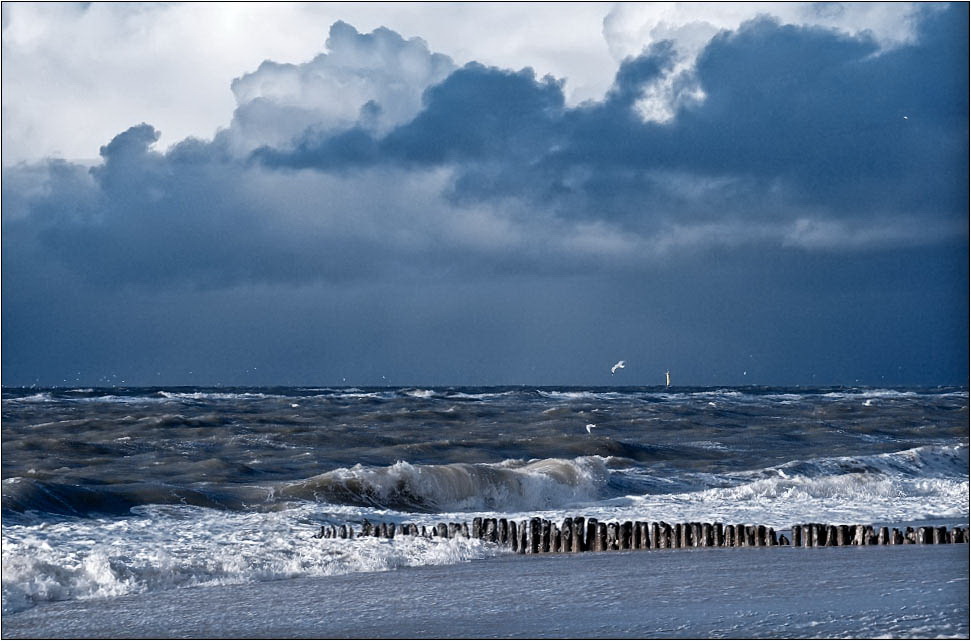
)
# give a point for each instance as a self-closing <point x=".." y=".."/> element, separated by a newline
<point x="579" y="534"/>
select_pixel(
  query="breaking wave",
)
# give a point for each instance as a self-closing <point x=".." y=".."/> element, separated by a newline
<point x="160" y="548"/>
<point x="509" y="486"/>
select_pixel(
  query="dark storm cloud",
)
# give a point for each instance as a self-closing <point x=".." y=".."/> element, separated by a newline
<point x="805" y="136"/>
<point x="801" y="139"/>
<point x="472" y="212"/>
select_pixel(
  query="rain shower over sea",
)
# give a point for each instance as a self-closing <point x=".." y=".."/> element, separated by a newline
<point x="141" y="499"/>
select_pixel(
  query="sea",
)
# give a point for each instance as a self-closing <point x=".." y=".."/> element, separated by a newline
<point x="128" y="496"/>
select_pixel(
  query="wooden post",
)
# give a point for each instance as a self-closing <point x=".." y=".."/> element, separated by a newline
<point x="503" y="531"/>
<point x="842" y="535"/>
<point x="566" y="535"/>
<point x="545" y="536"/>
<point x="796" y="536"/>
<point x="590" y="542"/>
<point x="533" y="536"/>
<point x="695" y="535"/>
<point x="524" y="544"/>
<point x="832" y="534"/>
<point x="750" y="532"/>
<point x="770" y="537"/>
<point x="940" y="535"/>
<point x="667" y="535"/>
<point x="783" y="540"/>
<point x="635" y="542"/>
<point x="896" y="537"/>
<point x="556" y="539"/>
<point x="619" y="541"/>
<point x="513" y="536"/>
<point x="957" y="535"/>
<point x="578" y="527"/>
<point x="601" y="537"/>
<point x="626" y="539"/>
<point x="477" y="527"/>
<point x="612" y="536"/>
<point x="760" y="536"/>
<point x="707" y="535"/>
<point x="678" y="535"/>
<point x="489" y="530"/>
<point x="883" y="538"/>
<point x="719" y="534"/>
<point x="656" y="535"/>
<point x="740" y="535"/>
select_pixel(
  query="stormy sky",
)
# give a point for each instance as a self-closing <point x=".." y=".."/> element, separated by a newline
<point x="484" y="194"/>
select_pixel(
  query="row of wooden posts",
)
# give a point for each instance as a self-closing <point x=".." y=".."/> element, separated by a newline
<point x="579" y="534"/>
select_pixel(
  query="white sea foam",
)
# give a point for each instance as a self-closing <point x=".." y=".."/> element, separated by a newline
<point x="41" y="397"/>
<point x="162" y="548"/>
<point x="923" y="483"/>
<point x="217" y="396"/>
<point x="420" y="393"/>
<point x="580" y="395"/>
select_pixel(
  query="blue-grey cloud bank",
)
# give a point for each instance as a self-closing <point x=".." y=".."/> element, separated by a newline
<point x="381" y="215"/>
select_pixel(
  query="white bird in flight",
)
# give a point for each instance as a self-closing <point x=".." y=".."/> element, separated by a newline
<point x="619" y="365"/>
<point x="589" y="426"/>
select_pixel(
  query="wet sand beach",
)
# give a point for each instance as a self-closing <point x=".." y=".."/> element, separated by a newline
<point x="907" y="591"/>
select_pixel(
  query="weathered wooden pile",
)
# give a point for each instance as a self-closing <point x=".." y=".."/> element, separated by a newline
<point x="579" y="534"/>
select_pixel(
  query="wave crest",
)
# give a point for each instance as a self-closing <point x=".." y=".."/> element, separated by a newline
<point x="508" y="486"/>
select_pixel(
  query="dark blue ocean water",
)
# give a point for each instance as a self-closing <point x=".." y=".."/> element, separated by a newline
<point x="124" y="491"/>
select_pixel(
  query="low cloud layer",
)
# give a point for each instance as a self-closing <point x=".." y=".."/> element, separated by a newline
<point x="382" y="166"/>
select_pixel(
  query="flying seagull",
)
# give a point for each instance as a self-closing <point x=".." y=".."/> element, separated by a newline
<point x="619" y="365"/>
<point x="589" y="426"/>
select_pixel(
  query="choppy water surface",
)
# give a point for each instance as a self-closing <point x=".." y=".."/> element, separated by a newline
<point x="121" y="491"/>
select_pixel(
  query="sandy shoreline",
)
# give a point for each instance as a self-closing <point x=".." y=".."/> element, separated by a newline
<point x="910" y="591"/>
